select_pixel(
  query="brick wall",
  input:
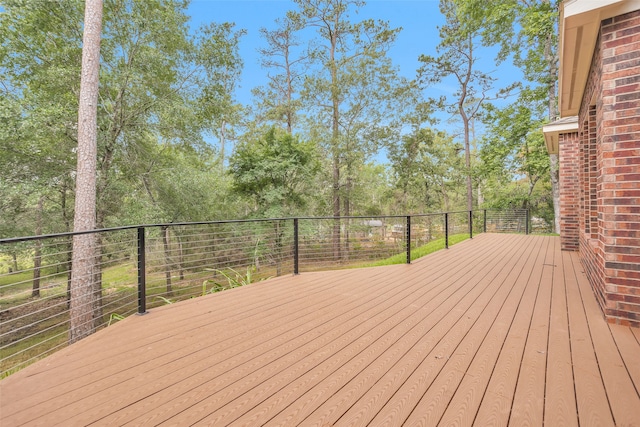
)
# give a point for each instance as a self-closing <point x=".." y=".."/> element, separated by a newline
<point x="569" y="190"/>
<point x="609" y="170"/>
<point x="591" y="247"/>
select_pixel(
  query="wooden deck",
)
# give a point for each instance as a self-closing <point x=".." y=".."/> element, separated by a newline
<point x="499" y="330"/>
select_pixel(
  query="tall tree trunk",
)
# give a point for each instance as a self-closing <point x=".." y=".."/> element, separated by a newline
<point x="465" y="81"/>
<point x="37" y="257"/>
<point x="289" y="113"/>
<point x="83" y="258"/>
<point x="467" y="142"/>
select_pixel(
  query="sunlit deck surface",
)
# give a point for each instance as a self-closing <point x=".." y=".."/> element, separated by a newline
<point x="498" y="330"/>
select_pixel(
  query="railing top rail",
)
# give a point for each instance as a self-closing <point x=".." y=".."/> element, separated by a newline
<point x="232" y="221"/>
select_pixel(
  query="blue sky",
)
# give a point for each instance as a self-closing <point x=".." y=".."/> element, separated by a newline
<point x="419" y="20"/>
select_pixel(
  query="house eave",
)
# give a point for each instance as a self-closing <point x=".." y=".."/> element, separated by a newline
<point x="553" y="130"/>
<point x="579" y="27"/>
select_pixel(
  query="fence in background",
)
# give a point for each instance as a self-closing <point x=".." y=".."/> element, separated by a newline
<point x="141" y="267"/>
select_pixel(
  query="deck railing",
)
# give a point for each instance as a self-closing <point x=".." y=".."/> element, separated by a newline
<point x="145" y="266"/>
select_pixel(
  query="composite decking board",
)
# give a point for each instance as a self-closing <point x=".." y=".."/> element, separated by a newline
<point x="497" y="401"/>
<point x="256" y="394"/>
<point x="134" y="336"/>
<point x="622" y="395"/>
<point x="368" y="285"/>
<point x="464" y="405"/>
<point x="342" y="363"/>
<point x="113" y="370"/>
<point x="83" y="402"/>
<point x="629" y="351"/>
<point x="83" y="360"/>
<point x="434" y="401"/>
<point x="591" y="396"/>
<point x="134" y="340"/>
<point x="527" y="407"/>
<point x="433" y="349"/>
<point x="307" y="399"/>
<point x="560" y="400"/>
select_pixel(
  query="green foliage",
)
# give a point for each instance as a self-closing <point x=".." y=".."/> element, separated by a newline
<point x="427" y="169"/>
<point x="163" y="299"/>
<point x="161" y="88"/>
<point x="419" y="252"/>
<point x="114" y="318"/>
<point x="275" y="171"/>
<point x="166" y="89"/>
<point x="234" y="279"/>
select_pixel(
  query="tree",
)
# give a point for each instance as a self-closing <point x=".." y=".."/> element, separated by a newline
<point x="275" y="171"/>
<point x="218" y="59"/>
<point x="514" y="153"/>
<point x="351" y="83"/>
<point x="83" y="262"/>
<point x="39" y="103"/>
<point x="426" y="167"/>
<point x="279" y="100"/>
<point x="526" y="30"/>
<point x="150" y="82"/>
<point x="458" y="58"/>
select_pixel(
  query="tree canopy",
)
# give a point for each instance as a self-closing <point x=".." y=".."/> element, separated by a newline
<point x="335" y="131"/>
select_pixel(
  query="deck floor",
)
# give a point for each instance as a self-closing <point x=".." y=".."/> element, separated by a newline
<point x="498" y="330"/>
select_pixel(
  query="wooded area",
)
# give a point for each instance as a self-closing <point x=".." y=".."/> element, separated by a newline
<point x="173" y="144"/>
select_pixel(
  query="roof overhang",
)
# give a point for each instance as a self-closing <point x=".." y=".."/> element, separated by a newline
<point x="579" y="26"/>
<point x="553" y="130"/>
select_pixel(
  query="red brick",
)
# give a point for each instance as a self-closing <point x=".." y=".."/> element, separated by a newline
<point x="602" y="185"/>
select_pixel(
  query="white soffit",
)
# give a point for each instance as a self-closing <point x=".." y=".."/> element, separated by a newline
<point x="579" y="26"/>
<point x="553" y="130"/>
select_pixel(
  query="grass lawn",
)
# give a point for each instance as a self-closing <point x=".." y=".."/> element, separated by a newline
<point x="418" y="252"/>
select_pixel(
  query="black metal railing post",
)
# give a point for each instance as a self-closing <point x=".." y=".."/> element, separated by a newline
<point x="471" y="224"/>
<point x="446" y="230"/>
<point x="142" y="278"/>
<point x="296" y="248"/>
<point x="408" y="239"/>
<point x="526" y="222"/>
<point x="484" y="221"/>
